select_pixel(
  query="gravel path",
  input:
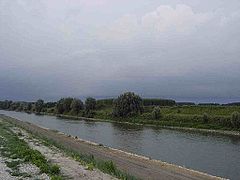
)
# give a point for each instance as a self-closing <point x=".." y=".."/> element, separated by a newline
<point x="4" y="171"/>
<point x="69" y="167"/>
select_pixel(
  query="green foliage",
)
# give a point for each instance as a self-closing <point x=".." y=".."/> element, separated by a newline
<point x="90" y="104"/>
<point x="64" y="105"/>
<point x="235" y="119"/>
<point x="89" y="114"/>
<point x="50" y="104"/>
<point x="59" y="106"/>
<point x="39" y="105"/>
<point x="91" y="162"/>
<point x="5" y="104"/>
<point x="67" y="104"/>
<point x="158" y="102"/>
<point x="18" y="149"/>
<point x="127" y="104"/>
<point x="29" y="106"/>
<point x="156" y="113"/>
<point x="185" y="103"/>
<point x="55" y="169"/>
<point x="103" y="103"/>
<point x="76" y="106"/>
<point x="205" y="118"/>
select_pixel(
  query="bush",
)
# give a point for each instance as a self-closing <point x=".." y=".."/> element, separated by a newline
<point x="205" y="118"/>
<point x="89" y="114"/>
<point x="127" y="104"/>
<point x="156" y="113"/>
<point x="235" y="119"/>
<point x="55" y="169"/>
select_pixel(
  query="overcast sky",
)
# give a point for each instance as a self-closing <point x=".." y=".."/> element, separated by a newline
<point x="185" y="50"/>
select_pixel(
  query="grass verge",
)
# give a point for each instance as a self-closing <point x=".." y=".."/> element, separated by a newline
<point x="19" y="152"/>
<point x="89" y="161"/>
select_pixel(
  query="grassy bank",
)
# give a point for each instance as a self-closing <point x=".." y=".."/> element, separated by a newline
<point x="218" y="117"/>
<point x="19" y="152"/>
<point x="88" y="161"/>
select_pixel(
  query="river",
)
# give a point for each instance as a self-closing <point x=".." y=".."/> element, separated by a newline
<point x="214" y="154"/>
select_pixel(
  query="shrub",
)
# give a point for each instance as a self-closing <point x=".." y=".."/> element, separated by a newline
<point x="205" y="118"/>
<point x="55" y="169"/>
<point x="89" y="114"/>
<point x="156" y="113"/>
<point x="127" y="104"/>
<point x="235" y="119"/>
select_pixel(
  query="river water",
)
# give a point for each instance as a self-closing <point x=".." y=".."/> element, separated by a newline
<point x="214" y="154"/>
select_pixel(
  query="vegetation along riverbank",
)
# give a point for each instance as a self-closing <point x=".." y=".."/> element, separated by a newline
<point x="115" y="161"/>
<point x="26" y="153"/>
<point x="131" y="108"/>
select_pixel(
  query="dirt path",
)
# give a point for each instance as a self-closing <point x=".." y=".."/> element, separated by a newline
<point x="70" y="168"/>
<point x="138" y="166"/>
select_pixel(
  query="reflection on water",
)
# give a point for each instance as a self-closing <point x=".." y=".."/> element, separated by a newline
<point x="211" y="153"/>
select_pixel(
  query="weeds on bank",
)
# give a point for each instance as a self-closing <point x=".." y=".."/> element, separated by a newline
<point x="19" y="152"/>
<point x="89" y="161"/>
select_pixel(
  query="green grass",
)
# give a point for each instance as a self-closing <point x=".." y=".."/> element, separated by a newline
<point x="15" y="148"/>
<point x="219" y="117"/>
<point x="89" y="160"/>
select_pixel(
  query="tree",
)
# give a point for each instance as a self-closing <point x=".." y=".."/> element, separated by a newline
<point x="39" y="105"/>
<point x="156" y="113"/>
<point x="59" y="106"/>
<point x="235" y="119"/>
<point x="127" y="104"/>
<point x="76" y="106"/>
<point x="29" y="106"/>
<point x="90" y="104"/>
<point x="14" y="106"/>
<point x="67" y="104"/>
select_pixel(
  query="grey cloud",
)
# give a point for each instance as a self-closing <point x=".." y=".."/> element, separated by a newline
<point x="53" y="49"/>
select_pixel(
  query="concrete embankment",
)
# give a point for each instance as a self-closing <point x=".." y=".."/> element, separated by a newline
<point x="139" y="166"/>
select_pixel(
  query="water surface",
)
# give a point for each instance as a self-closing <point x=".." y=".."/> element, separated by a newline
<point x="214" y="154"/>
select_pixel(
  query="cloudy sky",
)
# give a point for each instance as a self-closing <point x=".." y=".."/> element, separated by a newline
<point x="186" y="50"/>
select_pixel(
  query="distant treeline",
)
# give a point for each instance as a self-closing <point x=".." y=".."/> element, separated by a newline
<point x="131" y="107"/>
<point x="67" y="104"/>
<point x="158" y="102"/>
<point x="145" y="101"/>
<point x="233" y="104"/>
<point x="185" y="103"/>
<point x="206" y="104"/>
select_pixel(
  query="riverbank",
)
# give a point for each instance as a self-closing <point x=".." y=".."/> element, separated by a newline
<point x="25" y="156"/>
<point x="209" y="119"/>
<point x="136" y="165"/>
<point x="212" y="131"/>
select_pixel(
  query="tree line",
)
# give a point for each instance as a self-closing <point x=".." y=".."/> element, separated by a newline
<point x="125" y="105"/>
